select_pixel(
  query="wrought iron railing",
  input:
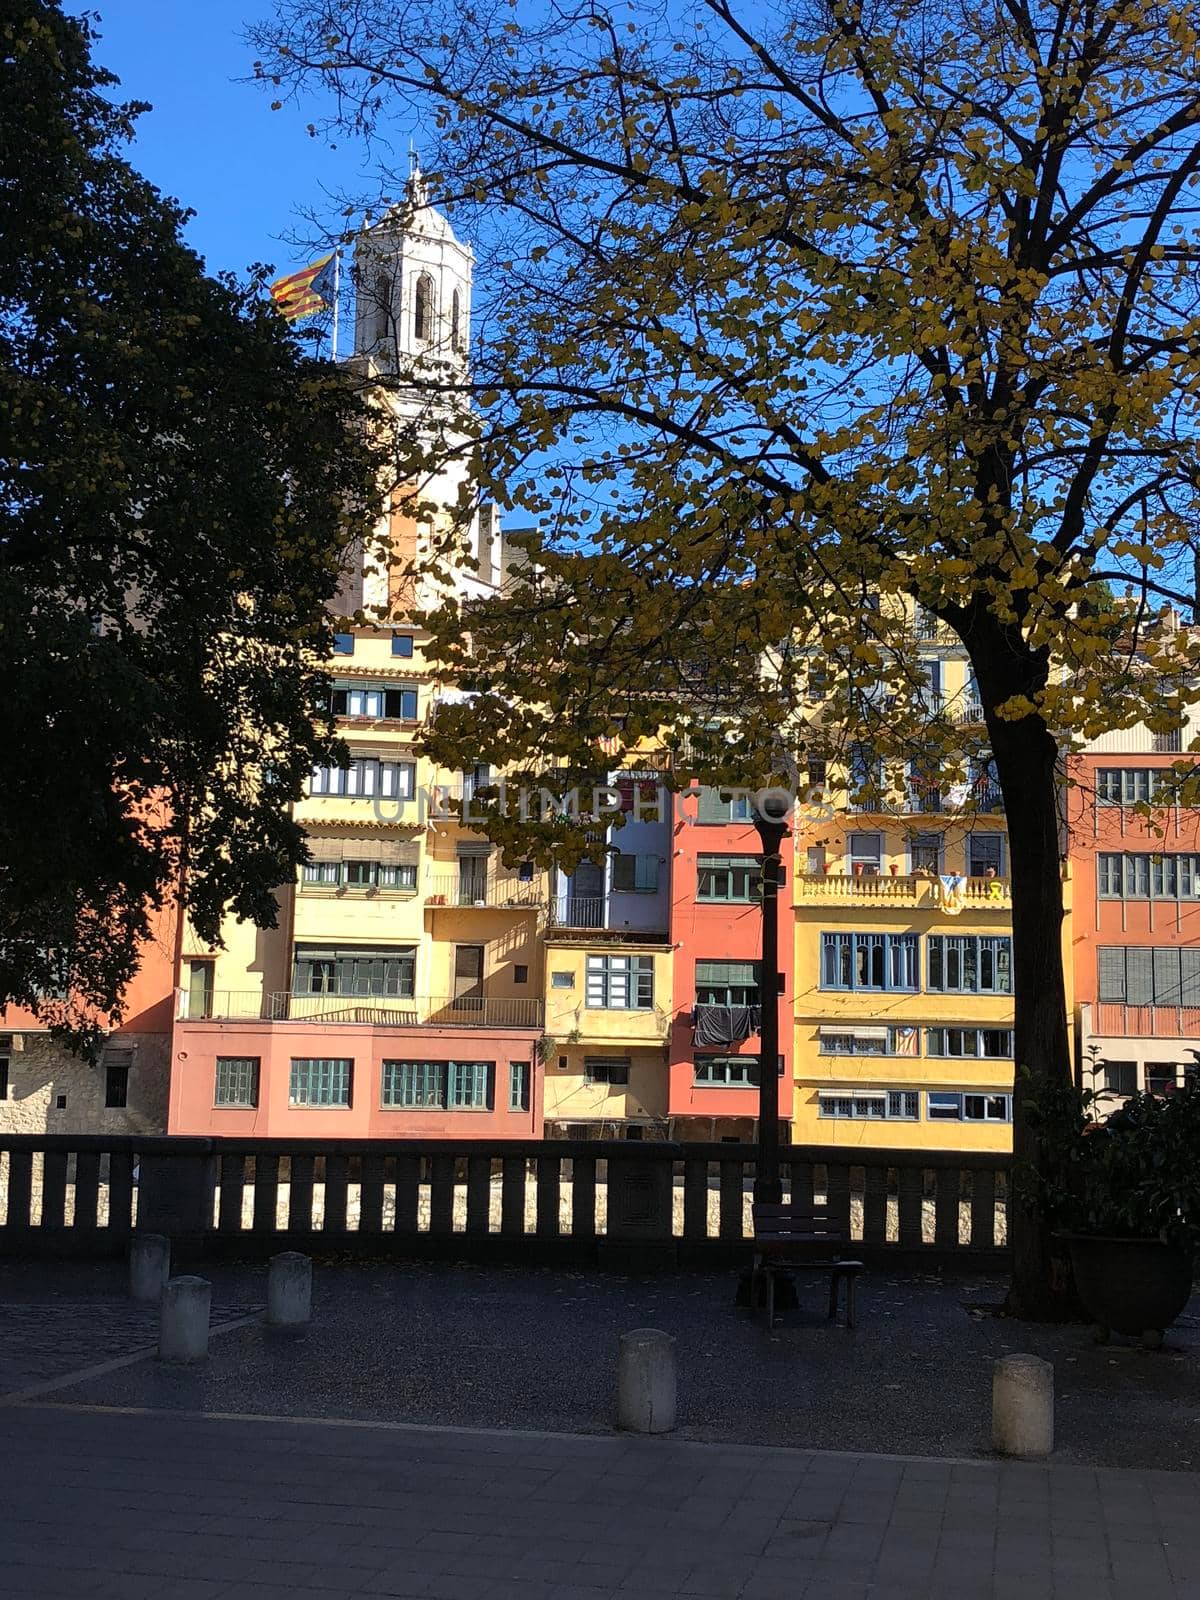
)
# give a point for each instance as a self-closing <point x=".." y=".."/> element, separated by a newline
<point x="398" y="1011"/>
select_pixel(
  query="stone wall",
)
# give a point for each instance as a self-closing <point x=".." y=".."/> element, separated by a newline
<point x="44" y="1071"/>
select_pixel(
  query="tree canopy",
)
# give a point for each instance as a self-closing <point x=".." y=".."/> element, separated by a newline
<point x="797" y="308"/>
<point x="179" y="484"/>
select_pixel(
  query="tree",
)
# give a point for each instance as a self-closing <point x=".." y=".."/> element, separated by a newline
<point x="179" y="482"/>
<point x="893" y="299"/>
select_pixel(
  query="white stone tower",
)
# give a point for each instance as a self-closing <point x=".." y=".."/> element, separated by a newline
<point x="413" y="290"/>
<point x="412" y="330"/>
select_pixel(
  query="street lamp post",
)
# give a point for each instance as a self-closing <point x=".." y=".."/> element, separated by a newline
<point x="768" y="1187"/>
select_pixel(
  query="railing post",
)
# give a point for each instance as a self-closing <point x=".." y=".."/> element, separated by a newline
<point x="176" y="1186"/>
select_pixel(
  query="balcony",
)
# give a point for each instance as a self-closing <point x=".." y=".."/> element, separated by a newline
<point x="899" y="889"/>
<point x="926" y="799"/>
<point x="587" y="917"/>
<point x="1110" y="1019"/>
<point x="375" y="1011"/>
<point x="496" y="893"/>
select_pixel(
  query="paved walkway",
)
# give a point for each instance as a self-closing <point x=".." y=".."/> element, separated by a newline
<point x="141" y="1505"/>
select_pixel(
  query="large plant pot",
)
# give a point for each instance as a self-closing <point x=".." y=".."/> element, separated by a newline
<point x="1136" y="1286"/>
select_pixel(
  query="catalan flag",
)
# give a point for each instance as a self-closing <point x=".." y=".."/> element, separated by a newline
<point x="307" y="291"/>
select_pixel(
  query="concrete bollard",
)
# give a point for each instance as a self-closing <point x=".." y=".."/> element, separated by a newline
<point x="646" y="1381"/>
<point x="289" y="1290"/>
<point x="183" y="1324"/>
<point x="149" y="1265"/>
<point x="1023" y="1406"/>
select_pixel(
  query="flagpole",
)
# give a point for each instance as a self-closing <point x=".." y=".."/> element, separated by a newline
<point x="337" y="295"/>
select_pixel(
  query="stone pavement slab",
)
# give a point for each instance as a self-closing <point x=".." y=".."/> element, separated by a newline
<point x="103" y="1504"/>
<point x="536" y="1348"/>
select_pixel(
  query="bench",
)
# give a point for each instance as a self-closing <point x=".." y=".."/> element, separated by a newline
<point x="792" y="1239"/>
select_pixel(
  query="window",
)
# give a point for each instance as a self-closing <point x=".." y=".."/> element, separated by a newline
<point x="1169" y="743"/>
<point x="1150" y="976"/>
<point x="1119" y="1077"/>
<point x="413" y="1085"/>
<point x="365" y="777"/>
<point x="964" y="964"/>
<point x="894" y="1105"/>
<point x="969" y="1107"/>
<point x="476" y="779"/>
<point x="116" y="1078"/>
<point x="854" y="1107"/>
<point x="438" y="1085"/>
<point x="606" y="1069"/>
<point x="200" y="988"/>
<point x="1129" y="786"/>
<point x="468" y="1086"/>
<point x="237" y="1081"/>
<point x="1162" y="1077"/>
<point x="1148" y="877"/>
<point x="361" y="874"/>
<point x="981" y="1043"/>
<point x="402" y="645"/>
<point x="867" y="1040"/>
<point x="727" y="1072"/>
<point x="924" y="788"/>
<point x="383" y="305"/>
<point x="355" y="970"/>
<point x="518" y="1086"/>
<point x="374" y="700"/>
<point x="520" y="973"/>
<point x="865" y="779"/>
<point x="635" y="874"/>
<point x="620" y="983"/>
<point x="734" y="880"/>
<point x="423" y="309"/>
<point x="455" y="322"/>
<point x="727" y="983"/>
<point x="925" y="853"/>
<point x="866" y="854"/>
<point x="985" y="850"/>
<point x="869" y="961"/>
<point x="562" y="980"/>
<point x="319" y="1082"/>
<point x="724" y="805"/>
<point x="343" y="644"/>
<point x="3" y="1077"/>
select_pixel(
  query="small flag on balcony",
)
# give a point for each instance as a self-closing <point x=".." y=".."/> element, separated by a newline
<point x="951" y="897"/>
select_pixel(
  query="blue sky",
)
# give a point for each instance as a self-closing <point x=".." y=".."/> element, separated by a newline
<point x="212" y="142"/>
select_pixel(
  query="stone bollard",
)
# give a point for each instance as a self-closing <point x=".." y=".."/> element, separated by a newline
<point x="289" y="1290"/>
<point x="646" y="1381"/>
<point x="183" y="1324"/>
<point x="1023" y="1406"/>
<point x="149" y="1265"/>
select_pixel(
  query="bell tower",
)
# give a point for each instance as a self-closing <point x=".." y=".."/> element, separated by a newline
<point x="413" y="290"/>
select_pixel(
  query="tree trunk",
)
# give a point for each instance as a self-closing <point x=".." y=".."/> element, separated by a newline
<point x="1026" y="755"/>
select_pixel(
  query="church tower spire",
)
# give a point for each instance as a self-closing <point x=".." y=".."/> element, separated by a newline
<point x="413" y="289"/>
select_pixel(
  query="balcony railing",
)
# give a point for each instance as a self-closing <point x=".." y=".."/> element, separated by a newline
<point x="909" y="889"/>
<point x="577" y="911"/>
<point x="379" y="1011"/>
<point x="503" y="893"/>
<point x="637" y="1206"/>
<point x="925" y="798"/>
<point x="1117" y="1020"/>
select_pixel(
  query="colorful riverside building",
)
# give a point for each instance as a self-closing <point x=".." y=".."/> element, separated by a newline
<point x="716" y="936"/>
<point x="400" y="993"/>
<point x="902" y="947"/>
<point x="1135" y="933"/>
<point x="45" y="1088"/>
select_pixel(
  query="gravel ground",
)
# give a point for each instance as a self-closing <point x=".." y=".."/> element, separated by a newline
<point x="524" y="1348"/>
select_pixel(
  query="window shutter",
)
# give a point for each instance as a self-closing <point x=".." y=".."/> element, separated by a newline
<point x="646" y="872"/>
<point x="1166" y="977"/>
<point x="624" y="873"/>
<point x="1139" y="977"/>
<point x="727" y="972"/>
<point x="325" y="849"/>
<point x="1112" y="975"/>
<point x="398" y="853"/>
<point x="1189" y="978"/>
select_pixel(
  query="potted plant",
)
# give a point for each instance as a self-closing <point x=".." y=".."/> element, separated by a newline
<point x="1124" y="1194"/>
